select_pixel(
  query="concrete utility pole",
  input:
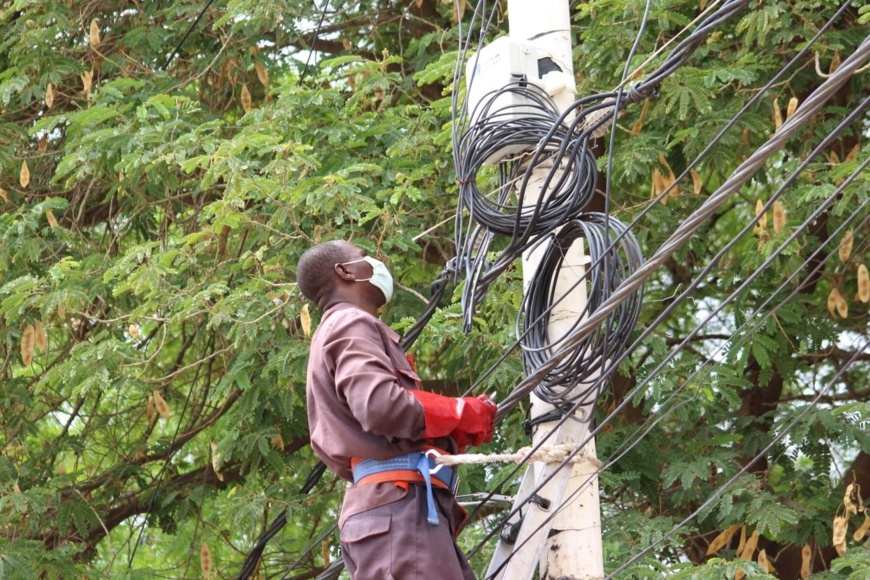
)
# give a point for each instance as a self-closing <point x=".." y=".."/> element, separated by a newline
<point x="569" y="547"/>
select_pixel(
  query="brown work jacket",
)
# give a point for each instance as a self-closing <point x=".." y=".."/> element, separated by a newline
<point x="358" y="404"/>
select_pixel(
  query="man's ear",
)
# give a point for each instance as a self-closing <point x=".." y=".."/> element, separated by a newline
<point x="344" y="273"/>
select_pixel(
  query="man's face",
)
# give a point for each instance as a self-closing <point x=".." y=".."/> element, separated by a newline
<point x="362" y="271"/>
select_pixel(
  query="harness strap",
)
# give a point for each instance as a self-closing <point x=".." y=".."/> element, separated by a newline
<point x="417" y="467"/>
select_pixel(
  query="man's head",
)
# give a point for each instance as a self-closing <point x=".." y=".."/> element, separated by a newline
<point x="336" y="271"/>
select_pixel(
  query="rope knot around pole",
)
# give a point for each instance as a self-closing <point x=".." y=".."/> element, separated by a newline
<point x="551" y="454"/>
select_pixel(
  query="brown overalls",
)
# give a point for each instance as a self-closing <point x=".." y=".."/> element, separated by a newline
<point x="358" y="407"/>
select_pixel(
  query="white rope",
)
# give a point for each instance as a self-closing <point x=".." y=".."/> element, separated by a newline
<point x="553" y="454"/>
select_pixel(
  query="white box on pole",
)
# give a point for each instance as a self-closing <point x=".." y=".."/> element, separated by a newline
<point x="498" y="64"/>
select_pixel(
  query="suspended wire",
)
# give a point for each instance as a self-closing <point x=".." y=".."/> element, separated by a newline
<point x="186" y="34"/>
<point x="169" y="451"/>
<point x="715" y="141"/>
<point x="709" y="502"/>
<point x="693" y="222"/>
<point x="755" y="317"/>
<point x="314" y="36"/>
<point x="249" y="566"/>
<point x="776" y="439"/>
<point x="815" y="256"/>
<point x="759" y="320"/>
<point x="852" y="117"/>
<point x="827" y="25"/>
<point x="662" y="48"/>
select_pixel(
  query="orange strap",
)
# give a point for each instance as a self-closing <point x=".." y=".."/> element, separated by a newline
<point x="404" y="475"/>
<point x="400" y="475"/>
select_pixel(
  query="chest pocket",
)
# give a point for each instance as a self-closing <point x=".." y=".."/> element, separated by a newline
<point x="404" y="373"/>
<point x="408" y="378"/>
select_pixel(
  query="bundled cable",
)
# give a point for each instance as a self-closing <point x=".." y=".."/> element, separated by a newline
<point x="532" y="143"/>
<point x="527" y="136"/>
<point x="615" y="255"/>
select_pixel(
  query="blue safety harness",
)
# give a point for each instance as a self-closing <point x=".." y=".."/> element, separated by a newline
<point x="423" y="462"/>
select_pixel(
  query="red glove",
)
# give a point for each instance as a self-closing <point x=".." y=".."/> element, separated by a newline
<point x="468" y="420"/>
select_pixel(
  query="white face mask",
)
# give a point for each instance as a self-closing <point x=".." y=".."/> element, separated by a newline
<point x="381" y="277"/>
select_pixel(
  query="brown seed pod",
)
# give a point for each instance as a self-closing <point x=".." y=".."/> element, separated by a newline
<point x="205" y="561"/>
<point x="863" y="284"/>
<point x="845" y="249"/>
<point x="24" y="174"/>
<point x="806" y="560"/>
<point x="87" y="82"/>
<point x="94" y="34"/>
<point x="792" y="107"/>
<point x="262" y="74"/>
<point x="841" y="525"/>
<point x="722" y="539"/>
<point x="160" y="404"/>
<point x="27" y="342"/>
<point x="778" y="216"/>
<point x="39" y="336"/>
<point x="697" y="182"/>
<point x="246" y="98"/>
<point x="750" y="546"/>
<point x="862" y="531"/>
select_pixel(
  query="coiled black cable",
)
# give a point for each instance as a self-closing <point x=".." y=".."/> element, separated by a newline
<point x="615" y="254"/>
<point x="510" y="134"/>
<point x="541" y="148"/>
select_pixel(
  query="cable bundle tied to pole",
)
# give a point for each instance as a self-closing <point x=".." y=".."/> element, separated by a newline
<point x="531" y="136"/>
<point x="578" y="376"/>
<point x="543" y="150"/>
<point x="690" y="226"/>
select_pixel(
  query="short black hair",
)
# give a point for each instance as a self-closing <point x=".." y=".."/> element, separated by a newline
<point x="315" y="272"/>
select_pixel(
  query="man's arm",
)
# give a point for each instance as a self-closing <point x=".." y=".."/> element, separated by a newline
<point x="365" y="379"/>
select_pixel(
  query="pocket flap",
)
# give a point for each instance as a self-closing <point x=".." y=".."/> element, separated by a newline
<point x="361" y="527"/>
<point x="410" y="375"/>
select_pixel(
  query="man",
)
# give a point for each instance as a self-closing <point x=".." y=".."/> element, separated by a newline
<point x="370" y="424"/>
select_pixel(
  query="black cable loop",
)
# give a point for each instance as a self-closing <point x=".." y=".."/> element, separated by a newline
<point x="565" y="190"/>
<point x="578" y="377"/>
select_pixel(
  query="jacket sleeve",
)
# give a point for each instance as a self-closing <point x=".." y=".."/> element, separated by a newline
<point x="365" y="379"/>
